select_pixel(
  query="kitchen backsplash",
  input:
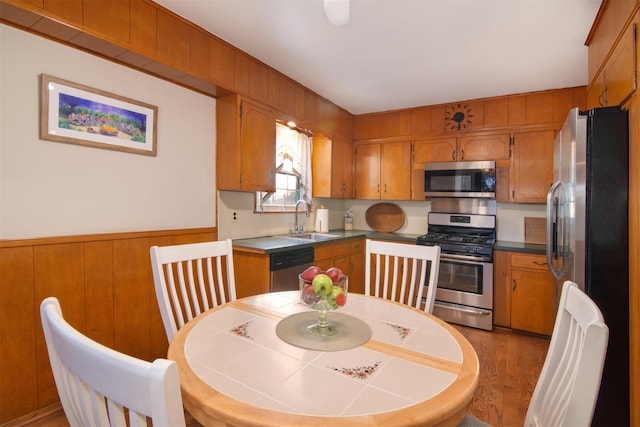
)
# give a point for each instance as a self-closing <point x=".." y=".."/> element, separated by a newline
<point x="247" y="223"/>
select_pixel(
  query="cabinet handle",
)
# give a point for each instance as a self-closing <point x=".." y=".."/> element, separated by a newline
<point x="539" y="263"/>
<point x="514" y="285"/>
<point x="462" y="154"/>
<point x="385" y="188"/>
<point x="453" y="155"/>
<point x="602" y="99"/>
<point x="378" y="188"/>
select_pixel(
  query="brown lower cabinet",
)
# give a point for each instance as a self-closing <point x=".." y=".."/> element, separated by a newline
<point x="348" y="256"/>
<point x="252" y="272"/>
<point x="525" y="294"/>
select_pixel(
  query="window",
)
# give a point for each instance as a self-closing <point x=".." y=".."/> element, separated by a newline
<point x="293" y="172"/>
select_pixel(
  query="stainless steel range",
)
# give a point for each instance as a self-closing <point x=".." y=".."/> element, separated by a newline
<point x="465" y="282"/>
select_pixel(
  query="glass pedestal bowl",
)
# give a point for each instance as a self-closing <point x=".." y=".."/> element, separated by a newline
<point x="324" y="295"/>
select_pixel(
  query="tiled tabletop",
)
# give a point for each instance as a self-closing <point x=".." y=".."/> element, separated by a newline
<point x="232" y="363"/>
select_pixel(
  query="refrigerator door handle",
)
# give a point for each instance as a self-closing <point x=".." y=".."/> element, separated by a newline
<point x="552" y="232"/>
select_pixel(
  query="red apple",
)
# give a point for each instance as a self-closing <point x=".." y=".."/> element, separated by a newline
<point x="336" y="275"/>
<point x="309" y="274"/>
<point x="309" y="296"/>
<point x="341" y="299"/>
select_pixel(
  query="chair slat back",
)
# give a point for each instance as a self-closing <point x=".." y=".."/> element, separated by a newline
<point x="568" y="386"/>
<point x="398" y="272"/>
<point x="99" y="386"/>
<point x="191" y="279"/>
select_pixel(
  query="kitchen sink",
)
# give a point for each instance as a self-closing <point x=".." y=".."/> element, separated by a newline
<point x="316" y="237"/>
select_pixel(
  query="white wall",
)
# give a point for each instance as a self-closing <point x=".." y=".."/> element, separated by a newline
<point x="51" y="189"/>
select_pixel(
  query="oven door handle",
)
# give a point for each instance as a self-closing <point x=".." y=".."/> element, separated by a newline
<point x="469" y="259"/>
<point x="464" y="309"/>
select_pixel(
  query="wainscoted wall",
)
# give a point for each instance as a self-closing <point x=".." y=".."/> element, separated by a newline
<point x="105" y="287"/>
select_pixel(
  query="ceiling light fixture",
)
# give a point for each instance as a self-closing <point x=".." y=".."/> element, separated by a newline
<point x="337" y="11"/>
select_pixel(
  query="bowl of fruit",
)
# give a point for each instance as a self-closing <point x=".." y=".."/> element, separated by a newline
<point x="323" y="291"/>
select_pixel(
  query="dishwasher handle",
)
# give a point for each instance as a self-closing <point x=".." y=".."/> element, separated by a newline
<point x="290" y="258"/>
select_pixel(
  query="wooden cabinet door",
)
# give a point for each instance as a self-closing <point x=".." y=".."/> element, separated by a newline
<point x="396" y="171"/>
<point x="356" y="274"/>
<point x="367" y="171"/>
<point x="258" y="141"/>
<point x="252" y="273"/>
<point x="322" y="165"/>
<point x="532" y="301"/>
<point x="342" y="166"/>
<point x="435" y="150"/>
<point x="484" y="147"/>
<point x="620" y="70"/>
<point x="532" y="166"/>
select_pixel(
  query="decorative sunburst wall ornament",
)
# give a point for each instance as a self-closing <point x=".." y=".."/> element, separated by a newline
<point x="458" y="116"/>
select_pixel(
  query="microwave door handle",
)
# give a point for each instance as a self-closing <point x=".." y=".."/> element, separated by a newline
<point x="553" y="228"/>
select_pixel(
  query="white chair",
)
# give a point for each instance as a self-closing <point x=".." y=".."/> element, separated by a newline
<point x="190" y="279"/>
<point x="397" y="272"/>
<point x="99" y="386"/>
<point x="567" y="389"/>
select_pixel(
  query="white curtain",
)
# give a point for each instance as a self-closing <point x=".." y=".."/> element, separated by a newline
<point x="295" y="147"/>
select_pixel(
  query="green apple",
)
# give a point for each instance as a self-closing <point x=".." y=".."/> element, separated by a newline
<point x="322" y="285"/>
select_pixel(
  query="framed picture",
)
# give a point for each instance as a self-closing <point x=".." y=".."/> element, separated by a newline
<point x="77" y="114"/>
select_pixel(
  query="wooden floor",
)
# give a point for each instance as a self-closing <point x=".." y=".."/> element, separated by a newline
<point x="510" y="364"/>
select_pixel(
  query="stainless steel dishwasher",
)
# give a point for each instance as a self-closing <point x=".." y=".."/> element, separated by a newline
<point x="286" y="266"/>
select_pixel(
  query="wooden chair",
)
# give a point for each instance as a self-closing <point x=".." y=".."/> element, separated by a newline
<point x="99" y="386"/>
<point x="190" y="279"/>
<point x="398" y="271"/>
<point x="567" y="389"/>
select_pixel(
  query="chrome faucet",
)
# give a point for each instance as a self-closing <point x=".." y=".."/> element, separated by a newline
<point x="297" y="230"/>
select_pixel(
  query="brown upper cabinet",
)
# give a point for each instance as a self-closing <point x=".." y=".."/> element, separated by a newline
<point x="332" y="166"/>
<point x="383" y="171"/>
<point x="618" y="79"/>
<point x="613" y="51"/>
<point x="246" y="145"/>
<point x="465" y="148"/>
<point x="531" y="166"/>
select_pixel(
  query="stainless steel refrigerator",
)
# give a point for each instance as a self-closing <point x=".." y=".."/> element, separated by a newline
<point x="587" y="236"/>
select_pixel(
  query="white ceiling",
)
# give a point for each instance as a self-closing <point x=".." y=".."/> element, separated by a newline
<point x="395" y="54"/>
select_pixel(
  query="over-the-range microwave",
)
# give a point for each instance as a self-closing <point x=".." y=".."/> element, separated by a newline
<point x="460" y="179"/>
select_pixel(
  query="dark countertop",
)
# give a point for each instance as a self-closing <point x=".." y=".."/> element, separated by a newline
<point x="504" y="245"/>
<point x="274" y="244"/>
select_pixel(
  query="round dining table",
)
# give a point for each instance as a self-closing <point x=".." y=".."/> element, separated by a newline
<point x="391" y="365"/>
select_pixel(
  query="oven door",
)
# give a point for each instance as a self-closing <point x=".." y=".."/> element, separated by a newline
<point x="465" y="291"/>
<point x="462" y="280"/>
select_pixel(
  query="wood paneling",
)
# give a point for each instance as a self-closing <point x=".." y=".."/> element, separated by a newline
<point x="109" y="18"/>
<point x="142" y="35"/>
<point x="173" y="41"/>
<point x="98" y="287"/>
<point x="18" y="318"/>
<point x="222" y="66"/>
<point x="70" y="10"/>
<point x="200" y="53"/>
<point x="131" y="267"/>
<point x="59" y="272"/>
<point x="105" y="288"/>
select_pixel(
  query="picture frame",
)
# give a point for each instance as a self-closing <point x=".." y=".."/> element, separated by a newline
<point x="78" y="114"/>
